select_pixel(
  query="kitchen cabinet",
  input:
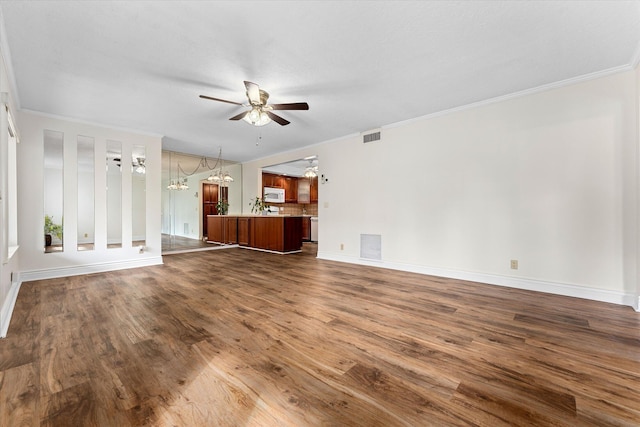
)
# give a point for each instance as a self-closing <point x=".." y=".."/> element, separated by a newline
<point x="266" y="232"/>
<point x="304" y="191"/>
<point x="244" y="236"/>
<point x="222" y="229"/>
<point x="230" y="230"/>
<point x="306" y="229"/>
<point x="288" y="183"/>
<point x="271" y="233"/>
<point x="314" y="190"/>
<point x="215" y="228"/>
<point x="290" y="189"/>
<point x="272" y="180"/>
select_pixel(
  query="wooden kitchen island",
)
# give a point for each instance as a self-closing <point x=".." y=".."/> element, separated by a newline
<point x="273" y="233"/>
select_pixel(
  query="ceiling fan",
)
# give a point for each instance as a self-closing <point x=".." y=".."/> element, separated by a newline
<point x="260" y="113"/>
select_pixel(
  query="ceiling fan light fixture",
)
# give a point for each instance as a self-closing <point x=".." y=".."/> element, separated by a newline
<point x="257" y="117"/>
<point x="261" y="113"/>
<point x="311" y="170"/>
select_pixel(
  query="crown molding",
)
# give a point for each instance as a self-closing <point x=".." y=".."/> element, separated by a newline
<point x="90" y="123"/>
<point x="8" y="64"/>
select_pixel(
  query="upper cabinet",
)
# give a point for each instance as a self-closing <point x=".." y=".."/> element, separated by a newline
<point x="314" y="190"/>
<point x="296" y="190"/>
<point x="304" y="191"/>
<point x="272" y="180"/>
<point x="290" y="189"/>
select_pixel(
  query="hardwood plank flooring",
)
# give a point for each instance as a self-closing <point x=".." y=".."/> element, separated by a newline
<point x="245" y="338"/>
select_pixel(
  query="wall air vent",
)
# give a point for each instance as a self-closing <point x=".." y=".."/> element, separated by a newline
<point x="371" y="246"/>
<point x="371" y="136"/>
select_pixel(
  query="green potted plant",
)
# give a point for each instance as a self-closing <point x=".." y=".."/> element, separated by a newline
<point x="258" y="206"/>
<point x="51" y="229"/>
<point x="222" y="206"/>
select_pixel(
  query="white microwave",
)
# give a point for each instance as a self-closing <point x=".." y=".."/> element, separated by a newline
<point x="273" y="195"/>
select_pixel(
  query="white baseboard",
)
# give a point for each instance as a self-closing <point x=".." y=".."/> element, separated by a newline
<point x="51" y="273"/>
<point x="576" y="291"/>
<point x="7" y="308"/>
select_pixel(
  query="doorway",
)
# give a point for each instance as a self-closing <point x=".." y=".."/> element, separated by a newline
<point x="209" y="200"/>
<point x="211" y="193"/>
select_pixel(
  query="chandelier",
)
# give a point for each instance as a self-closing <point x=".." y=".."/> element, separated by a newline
<point x="221" y="177"/>
<point x="178" y="184"/>
<point x="218" y="175"/>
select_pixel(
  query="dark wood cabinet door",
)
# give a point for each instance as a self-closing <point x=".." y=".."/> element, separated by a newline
<point x="260" y="233"/>
<point x="272" y="180"/>
<point x="231" y="230"/>
<point x="215" y="228"/>
<point x="243" y="231"/>
<point x="275" y="233"/>
<point x="267" y="180"/>
<point x="292" y="239"/>
<point x="290" y="189"/>
<point x="314" y="190"/>
<point x="306" y="228"/>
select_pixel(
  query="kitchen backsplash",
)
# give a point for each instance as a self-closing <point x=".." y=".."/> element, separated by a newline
<point x="298" y="209"/>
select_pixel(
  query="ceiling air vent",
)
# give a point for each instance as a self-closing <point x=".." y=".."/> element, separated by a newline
<point x="371" y="136"/>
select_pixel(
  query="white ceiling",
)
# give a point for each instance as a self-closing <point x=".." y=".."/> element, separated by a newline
<point x="360" y="65"/>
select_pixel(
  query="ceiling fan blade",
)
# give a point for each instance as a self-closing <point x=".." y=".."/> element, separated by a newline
<point x="277" y="119"/>
<point x="291" y="106"/>
<point x="253" y="92"/>
<point x="239" y="116"/>
<point x="218" y="99"/>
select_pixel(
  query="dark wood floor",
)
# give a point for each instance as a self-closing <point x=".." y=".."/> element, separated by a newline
<point x="245" y="338"/>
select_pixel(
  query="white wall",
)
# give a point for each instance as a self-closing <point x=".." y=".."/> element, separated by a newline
<point x="548" y="179"/>
<point x="34" y="263"/>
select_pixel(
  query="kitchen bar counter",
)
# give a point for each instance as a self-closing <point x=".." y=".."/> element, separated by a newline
<point x="274" y="233"/>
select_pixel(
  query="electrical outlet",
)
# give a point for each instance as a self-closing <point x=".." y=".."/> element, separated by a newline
<point x="514" y="264"/>
<point x="342" y="246"/>
<point x="86" y="234"/>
